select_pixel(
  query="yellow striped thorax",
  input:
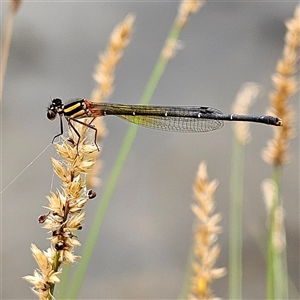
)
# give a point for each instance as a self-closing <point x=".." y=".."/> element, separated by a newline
<point x="76" y="109"/>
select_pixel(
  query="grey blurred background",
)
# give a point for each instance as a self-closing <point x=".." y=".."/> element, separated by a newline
<point x="144" y="242"/>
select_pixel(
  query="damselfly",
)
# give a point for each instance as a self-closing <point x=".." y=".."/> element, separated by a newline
<point x="170" y="118"/>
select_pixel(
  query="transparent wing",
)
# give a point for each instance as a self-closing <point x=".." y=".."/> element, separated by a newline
<point x="169" y="118"/>
<point x="178" y="124"/>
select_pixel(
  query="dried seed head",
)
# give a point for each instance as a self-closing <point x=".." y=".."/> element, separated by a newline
<point x="285" y="85"/>
<point x="186" y="8"/>
<point x="205" y="248"/>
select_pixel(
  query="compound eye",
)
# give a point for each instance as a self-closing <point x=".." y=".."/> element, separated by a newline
<point x="51" y="115"/>
<point x="57" y="102"/>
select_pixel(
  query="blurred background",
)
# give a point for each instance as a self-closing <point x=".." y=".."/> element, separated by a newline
<point x="147" y="232"/>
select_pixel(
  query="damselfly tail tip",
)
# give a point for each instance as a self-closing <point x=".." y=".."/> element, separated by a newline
<point x="278" y="122"/>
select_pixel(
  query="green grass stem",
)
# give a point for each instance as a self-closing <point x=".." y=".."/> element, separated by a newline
<point x="63" y="285"/>
<point x="235" y="253"/>
<point x="55" y="269"/>
<point x="277" y="276"/>
<point x="184" y="293"/>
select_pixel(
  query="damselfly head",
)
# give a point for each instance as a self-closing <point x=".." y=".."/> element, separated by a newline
<point x="56" y="107"/>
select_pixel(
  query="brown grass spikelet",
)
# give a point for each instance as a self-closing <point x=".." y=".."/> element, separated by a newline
<point x="186" y="8"/>
<point x="244" y="99"/>
<point x="285" y="86"/>
<point x="45" y="275"/>
<point x="170" y="48"/>
<point x="104" y="76"/>
<point x="65" y="214"/>
<point x="206" y="251"/>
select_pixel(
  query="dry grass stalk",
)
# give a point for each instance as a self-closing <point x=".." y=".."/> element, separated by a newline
<point x="285" y="86"/>
<point x="105" y="76"/>
<point x="206" y="251"/>
<point x="244" y="99"/>
<point x="6" y="40"/>
<point x="65" y="214"/>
